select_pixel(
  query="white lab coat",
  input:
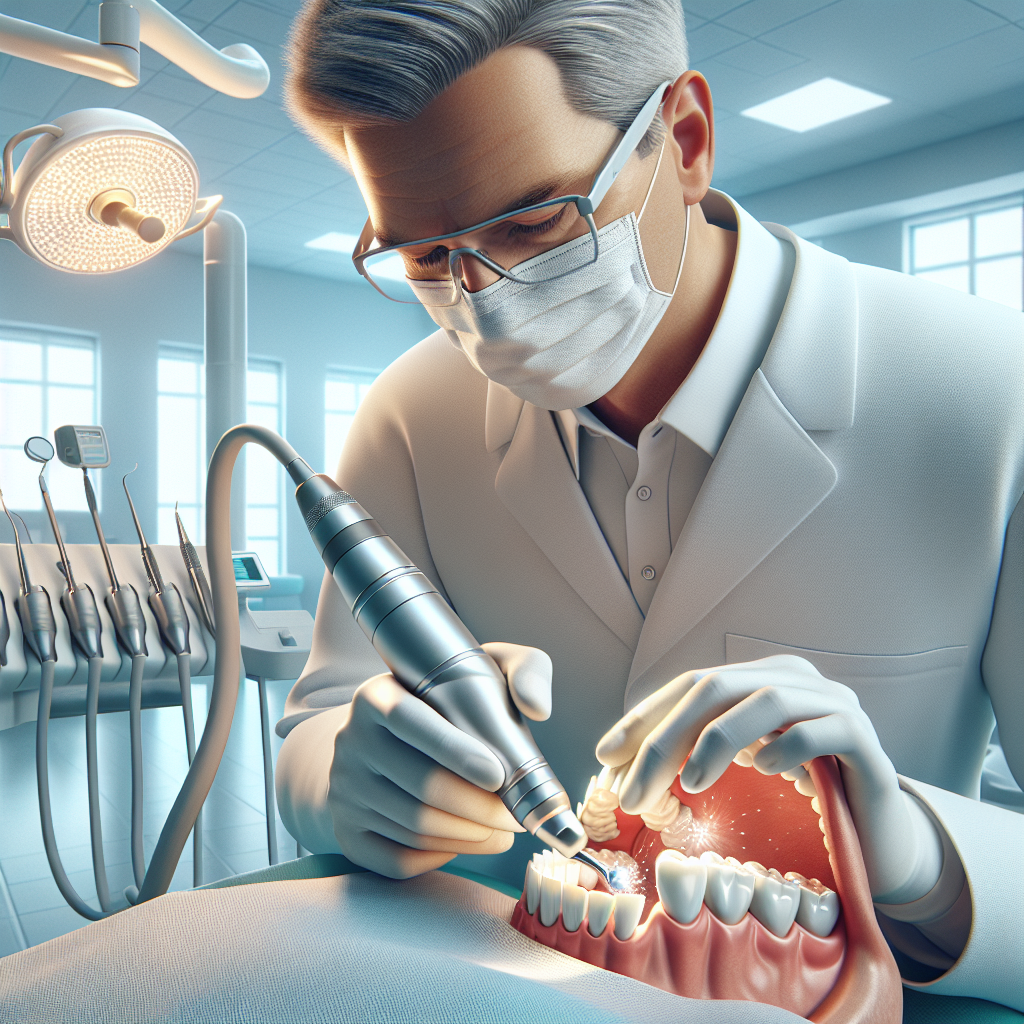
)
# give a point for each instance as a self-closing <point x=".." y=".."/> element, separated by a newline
<point x="855" y="514"/>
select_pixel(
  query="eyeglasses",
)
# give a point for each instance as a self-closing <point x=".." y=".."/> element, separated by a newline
<point x="510" y="238"/>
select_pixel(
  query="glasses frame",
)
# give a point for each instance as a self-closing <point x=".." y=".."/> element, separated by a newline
<point x="585" y="205"/>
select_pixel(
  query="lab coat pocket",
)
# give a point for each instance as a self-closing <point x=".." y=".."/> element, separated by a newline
<point x="929" y="709"/>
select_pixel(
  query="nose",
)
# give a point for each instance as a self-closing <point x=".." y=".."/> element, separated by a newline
<point x="475" y="275"/>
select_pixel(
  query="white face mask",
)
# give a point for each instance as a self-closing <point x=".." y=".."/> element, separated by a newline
<point x="564" y="343"/>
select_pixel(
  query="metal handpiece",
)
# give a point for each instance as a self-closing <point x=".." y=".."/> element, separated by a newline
<point x="432" y="653"/>
<point x="166" y="603"/>
<point x="201" y="589"/>
<point x="33" y="605"/>
<point x="78" y="603"/>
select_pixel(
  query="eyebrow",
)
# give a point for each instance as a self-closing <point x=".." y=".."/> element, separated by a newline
<point x="536" y="195"/>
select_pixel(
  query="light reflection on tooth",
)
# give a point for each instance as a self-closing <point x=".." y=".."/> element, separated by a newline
<point x="533" y="877"/>
<point x="628" y="908"/>
<point x="574" y="907"/>
<point x="805" y="786"/>
<point x="816" y="805"/>
<point x="588" y="877"/>
<point x="729" y="890"/>
<point x="572" y="872"/>
<point x="681" y="883"/>
<point x="550" y="900"/>
<point x="775" y="901"/>
<point x="819" y="905"/>
<point x="599" y="909"/>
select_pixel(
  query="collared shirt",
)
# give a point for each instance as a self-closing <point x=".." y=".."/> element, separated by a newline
<point x="642" y="495"/>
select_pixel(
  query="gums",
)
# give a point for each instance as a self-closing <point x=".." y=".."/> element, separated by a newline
<point x="848" y="977"/>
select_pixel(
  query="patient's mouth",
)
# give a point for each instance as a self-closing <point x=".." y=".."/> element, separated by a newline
<point x="754" y="889"/>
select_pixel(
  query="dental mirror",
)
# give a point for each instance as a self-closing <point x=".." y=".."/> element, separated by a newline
<point x="38" y="449"/>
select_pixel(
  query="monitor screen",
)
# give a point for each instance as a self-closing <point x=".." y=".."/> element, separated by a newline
<point x="246" y="569"/>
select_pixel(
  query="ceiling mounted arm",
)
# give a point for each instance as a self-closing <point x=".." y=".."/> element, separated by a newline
<point x="237" y="70"/>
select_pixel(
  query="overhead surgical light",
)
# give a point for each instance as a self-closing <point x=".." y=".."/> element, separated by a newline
<point x="100" y="190"/>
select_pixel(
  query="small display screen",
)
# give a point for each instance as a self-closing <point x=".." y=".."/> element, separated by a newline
<point x="246" y="570"/>
<point x="92" y="446"/>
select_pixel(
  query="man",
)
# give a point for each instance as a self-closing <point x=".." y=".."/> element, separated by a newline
<point x="718" y="476"/>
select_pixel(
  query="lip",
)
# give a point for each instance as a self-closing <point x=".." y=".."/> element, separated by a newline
<point x="849" y="977"/>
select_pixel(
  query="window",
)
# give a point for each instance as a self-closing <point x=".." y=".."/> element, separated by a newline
<point x="47" y="379"/>
<point x="343" y="391"/>
<point x="181" y="442"/>
<point x="976" y="251"/>
<point x="264" y="476"/>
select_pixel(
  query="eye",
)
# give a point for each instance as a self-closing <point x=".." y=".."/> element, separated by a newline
<point x="436" y="256"/>
<point x="536" y="229"/>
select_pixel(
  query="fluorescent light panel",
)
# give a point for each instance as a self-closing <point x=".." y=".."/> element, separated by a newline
<point x="814" y="105"/>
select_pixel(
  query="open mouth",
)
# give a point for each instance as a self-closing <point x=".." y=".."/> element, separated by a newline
<point x="754" y="889"/>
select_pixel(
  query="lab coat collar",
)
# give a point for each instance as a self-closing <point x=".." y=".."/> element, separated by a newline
<point x="704" y="404"/>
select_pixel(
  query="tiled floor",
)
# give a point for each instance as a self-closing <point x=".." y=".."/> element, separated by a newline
<point x="31" y="908"/>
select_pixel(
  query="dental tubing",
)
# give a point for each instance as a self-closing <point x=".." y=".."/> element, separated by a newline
<point x="417" y="634"/>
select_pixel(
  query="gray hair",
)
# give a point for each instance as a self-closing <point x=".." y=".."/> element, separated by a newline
<point x="369" y="61"/>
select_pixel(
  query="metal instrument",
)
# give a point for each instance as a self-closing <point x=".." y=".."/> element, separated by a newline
<point x="200" y="587"/>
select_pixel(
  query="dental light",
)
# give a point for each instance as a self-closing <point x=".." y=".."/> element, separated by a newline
<point x="100" y="190"/>
<point x="237" y="70"/>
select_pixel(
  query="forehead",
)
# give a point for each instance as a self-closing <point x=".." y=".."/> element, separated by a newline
<point x="501" y="130"/>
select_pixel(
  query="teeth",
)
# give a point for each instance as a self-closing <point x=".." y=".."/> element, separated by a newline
<point x="730" y="888"/>
<point x="628" y="908"/>
<point x="533" y="877"/>
<point x="588" y="877"/>
<point x="819" y="905"/>
<point x="599" y="909"/>
<point x="775" y="901"/>
<point x="550" y="900"/>
<point x="574" y="907"/>
<point x="681" y="884"/>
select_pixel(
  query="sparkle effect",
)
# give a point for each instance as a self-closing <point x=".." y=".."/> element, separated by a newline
<point x="57" y="222"/>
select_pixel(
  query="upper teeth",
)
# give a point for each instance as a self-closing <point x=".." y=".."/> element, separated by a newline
<point x="775" y="901"/>
<point x="730" y="887"/>
<point x="819" y="905"/>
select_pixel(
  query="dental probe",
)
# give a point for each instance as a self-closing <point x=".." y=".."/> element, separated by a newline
<point x="201" y="589"/>
<point x="169" y="611"/>
<point x="416" y="632"/>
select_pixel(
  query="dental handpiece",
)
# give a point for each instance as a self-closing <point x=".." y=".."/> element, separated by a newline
<point x="5" y="630"/>
<point x="200" y="587"/>
<point x="431" y="652"/>
<point x="166" y="603"/>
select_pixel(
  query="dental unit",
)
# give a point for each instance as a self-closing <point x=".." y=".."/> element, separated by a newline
<point x="197" y="577"/>
<point x="169" y="611"/>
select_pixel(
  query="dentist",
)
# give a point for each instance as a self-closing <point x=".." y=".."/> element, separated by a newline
<point x="683" y="464"/>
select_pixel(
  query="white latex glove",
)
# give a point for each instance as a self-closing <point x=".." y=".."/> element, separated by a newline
<point x="408" y="790"/>
<point x="714" y="714"/>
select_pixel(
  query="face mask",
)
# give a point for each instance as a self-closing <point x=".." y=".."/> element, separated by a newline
<point x="564" y="343"/>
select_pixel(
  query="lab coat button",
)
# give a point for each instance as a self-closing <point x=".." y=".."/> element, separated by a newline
<point x="648" y="572"/>
<point x="643" y="493"/>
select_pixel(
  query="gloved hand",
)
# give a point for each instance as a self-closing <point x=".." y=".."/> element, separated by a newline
<point x="408" y="790"/>
<point x="721" y="714"/>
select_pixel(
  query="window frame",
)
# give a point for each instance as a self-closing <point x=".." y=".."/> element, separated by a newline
<point x="343" y="375"/>
<point x="971" y="212"/>
<point x="277" y="366"/>
<point x="45" y="335"/>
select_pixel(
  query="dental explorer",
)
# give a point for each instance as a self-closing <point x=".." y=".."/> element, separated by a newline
<point x="40" y="634"/>
<point x="169" y="611"/>
<point x="416" y="632"/>
<point x="200" y="588"/>
<point x="84" y="448"/>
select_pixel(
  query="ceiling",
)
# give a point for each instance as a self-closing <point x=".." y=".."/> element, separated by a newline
<point x="951" y="67"/>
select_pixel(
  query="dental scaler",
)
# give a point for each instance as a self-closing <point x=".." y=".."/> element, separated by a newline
<point x="431" y="652"/>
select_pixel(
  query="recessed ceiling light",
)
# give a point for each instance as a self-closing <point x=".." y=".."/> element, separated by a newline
<point x="334" y="241"/>
<point x="813" y="105"/>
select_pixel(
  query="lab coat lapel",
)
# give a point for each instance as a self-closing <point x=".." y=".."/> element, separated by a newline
<point x="537" y="485"/>
<point x="769" y="475"/>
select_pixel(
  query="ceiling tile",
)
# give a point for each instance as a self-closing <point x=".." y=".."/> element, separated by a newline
<point x="256" y="110"/>
<point x="759" y="58"/>
<point x="1012" y="9"/>
<point x="322" y="173"/>
<point x="32" y="88"/>
<point x="166" y="113"/>
<point x="255" y="22"/>
<point x="204" y="11"/>
<point x="710" y="9"/>
<point x="59" y="14"/>
<point x="709" y="40"/>
<point x="172" y="86"/>
<point x="760" y="16"/>
<point x="230" y="129"/>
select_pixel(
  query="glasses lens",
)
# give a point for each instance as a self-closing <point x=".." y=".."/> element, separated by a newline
<point x="421" y="272"/>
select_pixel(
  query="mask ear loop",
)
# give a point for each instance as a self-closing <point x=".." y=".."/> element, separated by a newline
<point x="686" y="226"/>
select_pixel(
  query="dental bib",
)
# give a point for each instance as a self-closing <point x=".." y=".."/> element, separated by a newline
<point x="563" y="343"/>
<point x="753" y="890"/>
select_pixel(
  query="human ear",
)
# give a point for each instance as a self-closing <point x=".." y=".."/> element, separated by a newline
<point x="689" y="118"/>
